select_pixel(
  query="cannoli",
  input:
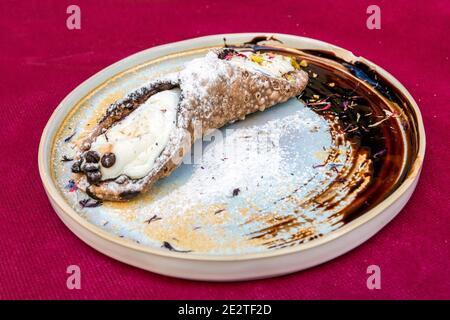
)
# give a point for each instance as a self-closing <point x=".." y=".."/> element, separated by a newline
<point x="144" y="136"/>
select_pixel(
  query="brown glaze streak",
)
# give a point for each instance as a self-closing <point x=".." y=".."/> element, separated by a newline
<point x="375" y="165"/>
<point x="348" y="179"/>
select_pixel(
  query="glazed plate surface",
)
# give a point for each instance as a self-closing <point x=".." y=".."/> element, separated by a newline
<point x="283" y="190"/>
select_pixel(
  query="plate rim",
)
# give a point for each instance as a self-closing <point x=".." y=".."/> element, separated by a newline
<point x="55" y="195"/>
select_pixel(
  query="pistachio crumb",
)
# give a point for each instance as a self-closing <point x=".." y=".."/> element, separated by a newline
<point x="303" y="63"/>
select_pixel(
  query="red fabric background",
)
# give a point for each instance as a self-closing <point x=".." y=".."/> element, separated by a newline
<point x="42" y="61"/>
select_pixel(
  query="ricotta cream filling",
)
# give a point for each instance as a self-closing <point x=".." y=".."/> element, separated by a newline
<point x="274" y="65"/>
<point x="140" y="137"/>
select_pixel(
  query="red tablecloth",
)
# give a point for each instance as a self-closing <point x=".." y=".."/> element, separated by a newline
<point x="42" y="61"/>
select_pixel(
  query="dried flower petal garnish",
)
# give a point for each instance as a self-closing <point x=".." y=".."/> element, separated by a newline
<point x="153" y="218"/>
<point x="90" y="203"/>
<point x="379" y="122"/>
<point x="326" y="107"/>
<point x="66" y="159"/>
<point x="219" y="211"/>
<point x="71" y="186"/>
<point x="380" y="153"/>
<point x="70" y="137"/>
<point x="345" y="105"/>
<point x="324" y="103"/>
<point x="168" y="246"/>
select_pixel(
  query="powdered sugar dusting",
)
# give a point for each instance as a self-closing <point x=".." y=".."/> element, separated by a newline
<point x="247" y="176"/>
<point x="196" y="75"/>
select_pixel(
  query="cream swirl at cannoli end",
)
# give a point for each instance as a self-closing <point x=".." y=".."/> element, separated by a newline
<point x="274" y="65"/>
<point x="139" y="138"/>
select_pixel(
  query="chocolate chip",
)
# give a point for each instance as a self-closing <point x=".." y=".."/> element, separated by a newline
<point x="92" y="156"/>
<point x="89" y="167"/>
<point x="76" y="167"/>
<point x="89" y="203"/>
<point x="108" y="159"/>
<point x="93" y="176"/>
<point x="66" y="158"/>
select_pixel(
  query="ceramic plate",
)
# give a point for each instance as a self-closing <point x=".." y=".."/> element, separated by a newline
<point x="283" y="190"/>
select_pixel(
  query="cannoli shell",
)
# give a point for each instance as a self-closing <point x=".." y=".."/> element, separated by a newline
<point x="214" y="92"/>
